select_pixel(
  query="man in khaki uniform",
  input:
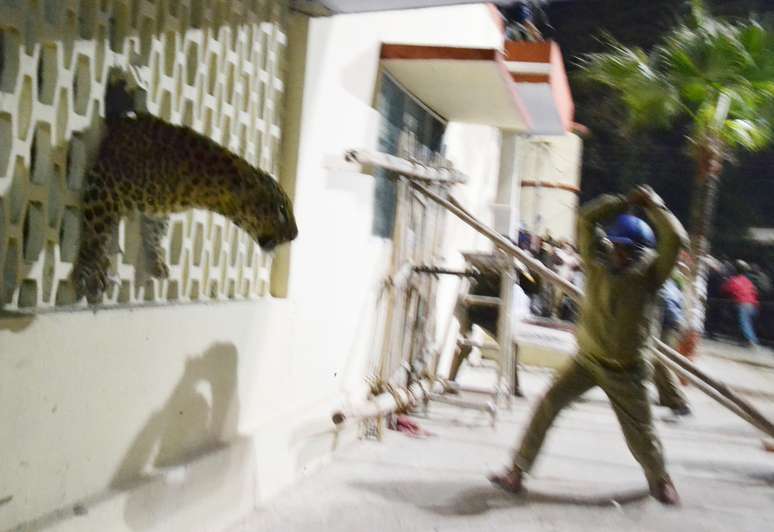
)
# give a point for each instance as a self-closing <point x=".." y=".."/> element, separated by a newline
<point x="624" y="270"/>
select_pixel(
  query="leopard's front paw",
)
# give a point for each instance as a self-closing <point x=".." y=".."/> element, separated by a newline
<point x="91" y="281"/>
<point x="158" y="269"/>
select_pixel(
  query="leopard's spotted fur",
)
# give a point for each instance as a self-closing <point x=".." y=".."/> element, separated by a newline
<point x="152" y="167"/>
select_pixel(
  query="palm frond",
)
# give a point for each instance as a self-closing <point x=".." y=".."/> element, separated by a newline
<point x="748" y="134"/>
<point x="686" y="74"/>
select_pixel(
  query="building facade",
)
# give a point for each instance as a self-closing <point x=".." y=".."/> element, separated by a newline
<point x="181" y="404"/>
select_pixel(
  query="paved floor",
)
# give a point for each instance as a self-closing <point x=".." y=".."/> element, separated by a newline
<point x="585" y="480"/>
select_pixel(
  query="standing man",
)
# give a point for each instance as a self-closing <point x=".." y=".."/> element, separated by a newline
<point x="624" y="272"/>
<point x="745" y="297"/>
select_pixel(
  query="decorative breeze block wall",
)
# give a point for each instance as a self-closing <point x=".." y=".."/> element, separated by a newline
<point x="213" y="65"/>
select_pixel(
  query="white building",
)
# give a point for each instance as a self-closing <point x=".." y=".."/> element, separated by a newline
<point x="180" y="404"/>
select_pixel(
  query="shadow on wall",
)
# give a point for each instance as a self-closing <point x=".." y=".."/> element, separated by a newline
<point x="200" y="415"/>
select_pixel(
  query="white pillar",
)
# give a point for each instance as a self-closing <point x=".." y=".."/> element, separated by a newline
<point x="506" y="206"/>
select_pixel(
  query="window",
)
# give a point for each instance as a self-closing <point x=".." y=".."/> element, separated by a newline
<point x="401" y="112"/>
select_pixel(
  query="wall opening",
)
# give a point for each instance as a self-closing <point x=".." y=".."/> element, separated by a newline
<point x="118" y="26"/>
<point x="40" y="154"/>
<point x="18" y="193"/>
<point x="49" y="269"/>
<point x="87" y="18"/>
<point x="55" y="193"/>
<point x="24" y="116"/>
<point x="10" y="44"/>
<point x="192" y="63"/>
<point x="69" y="234"/>
<point x="48" y="71"/>
<point x="81" y="84"/>
<point x="10" y="270"/>
<point x="6" y="141"/>
<point x="34" y="232"/>
<point x="28" y="294"/>
<point x="65" y="293"/>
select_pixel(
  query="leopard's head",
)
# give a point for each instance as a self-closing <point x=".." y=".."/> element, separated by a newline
<point x="266" y="212"/>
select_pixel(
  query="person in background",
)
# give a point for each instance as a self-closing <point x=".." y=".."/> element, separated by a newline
<point x="623" y="276"/>
<point x="716" y="278"/>
<point x="745" y="297"/>
<point x="670" y="323"/>
<point x="761" y="281"/>
<point x="569" y="309"/>
<point x="520" y="21"/>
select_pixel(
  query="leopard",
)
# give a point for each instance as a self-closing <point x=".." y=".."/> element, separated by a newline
<point x="149" y="167"/>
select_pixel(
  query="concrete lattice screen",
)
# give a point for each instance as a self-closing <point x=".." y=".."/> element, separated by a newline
<point x="213" y="65"/>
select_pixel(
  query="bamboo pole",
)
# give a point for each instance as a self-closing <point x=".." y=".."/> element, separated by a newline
<point x="761" y="424"/>
<point x="506" y="368"/>
<point x="405" y="167"/>
<point x="678" y="363"/>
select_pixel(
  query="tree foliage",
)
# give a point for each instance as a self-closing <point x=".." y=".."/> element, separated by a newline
<point x="689" y="72"/>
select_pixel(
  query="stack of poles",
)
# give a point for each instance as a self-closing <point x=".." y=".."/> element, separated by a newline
<point x="385" y="403"/>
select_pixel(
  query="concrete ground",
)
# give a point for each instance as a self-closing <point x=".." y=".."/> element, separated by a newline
<point x="585" y="479"/>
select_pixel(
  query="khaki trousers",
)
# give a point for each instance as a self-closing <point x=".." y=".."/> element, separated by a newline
<point x="628" y="396"/>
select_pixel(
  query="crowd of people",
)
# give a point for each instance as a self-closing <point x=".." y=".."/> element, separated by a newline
<point x="561" y="256"/>
<point x="736" y="290"/>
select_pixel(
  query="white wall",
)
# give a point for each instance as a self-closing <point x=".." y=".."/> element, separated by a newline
<point x="341" y="80"/>
<point x="88" y="401"/>
<point x="551" y="160"/>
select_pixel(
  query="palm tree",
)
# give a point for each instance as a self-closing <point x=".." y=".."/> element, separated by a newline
<point x="719" y="75"/>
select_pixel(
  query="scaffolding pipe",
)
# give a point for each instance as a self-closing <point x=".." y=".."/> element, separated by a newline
<point x="414" y="169"/>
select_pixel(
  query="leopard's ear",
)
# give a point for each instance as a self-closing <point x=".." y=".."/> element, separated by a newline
<point x="125" y="92"/>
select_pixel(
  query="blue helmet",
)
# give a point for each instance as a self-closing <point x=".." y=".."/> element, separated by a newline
<point x="629" y="230"/>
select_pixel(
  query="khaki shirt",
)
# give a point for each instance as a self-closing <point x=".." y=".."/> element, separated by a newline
<point x="617" y="311"/>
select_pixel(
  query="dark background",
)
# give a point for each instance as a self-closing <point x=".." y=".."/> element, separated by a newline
<point x="615" y="159"/>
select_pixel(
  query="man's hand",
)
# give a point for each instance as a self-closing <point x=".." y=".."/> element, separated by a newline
<point x="644" y="196"/>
